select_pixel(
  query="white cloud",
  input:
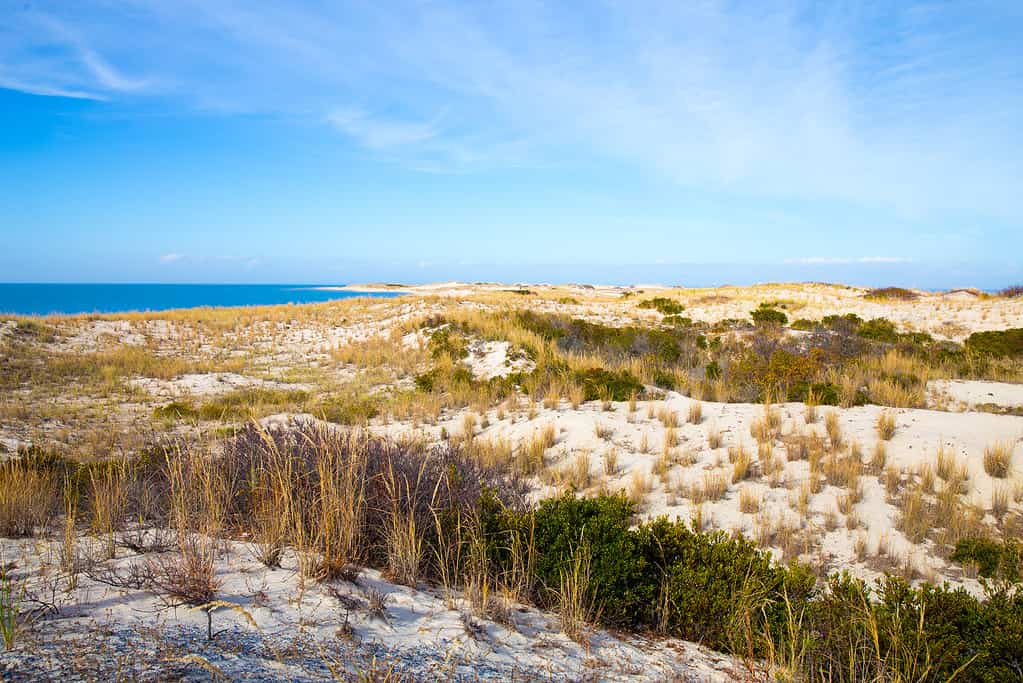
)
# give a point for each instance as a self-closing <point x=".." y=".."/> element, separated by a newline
<point x="378" y="132"/>
<point x="751" y="99"/>
<point x="171" y="258"/>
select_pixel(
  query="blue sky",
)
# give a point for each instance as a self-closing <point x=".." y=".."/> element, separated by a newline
<point x="680" y="142"/>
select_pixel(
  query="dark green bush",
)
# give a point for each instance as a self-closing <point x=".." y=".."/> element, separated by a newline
<point x="711" y="578"/>
<point x="766" y="316"/>
<point x="620" y="581"/>
<point x="879" y="329"/>
<point x="677" y="320"/>
<point x="663" y="305"/>
<point x="997" y="343"/>
<point x="805" y="325"/>
<point x="994" y="559"/>
<point x="824" y="393"/>
<point x="601" y="384"/>
<point x="444" y="342"/>
<point x="712" y="370"/>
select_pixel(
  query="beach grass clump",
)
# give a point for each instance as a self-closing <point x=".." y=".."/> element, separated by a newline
<point x="885" y="425"/>
<point x="998" y="459"/>
<point x="27" y="498"/>
<point x="532" y="451"/>
<point x="833" y="428"/>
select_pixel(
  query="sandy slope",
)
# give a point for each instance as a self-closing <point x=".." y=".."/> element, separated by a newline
<point x="274" y="626"/>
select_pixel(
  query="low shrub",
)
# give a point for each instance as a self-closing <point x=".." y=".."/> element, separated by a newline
<point x="662" y="305"/>
<point x="611" y="385"/>
<point x="879" y="329"/>
<point x="998" y="344"/>
<point x="764" y="316"/>
<point x="899" y="293"/>
<point x="993" y="559"/>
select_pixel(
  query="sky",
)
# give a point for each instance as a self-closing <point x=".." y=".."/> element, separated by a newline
<point x="622" y="142"/>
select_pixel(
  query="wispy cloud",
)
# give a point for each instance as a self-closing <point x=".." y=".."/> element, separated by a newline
<point x="381" y="133"/>
<point x="171" y="258"/>
<point x="879" y="106"/>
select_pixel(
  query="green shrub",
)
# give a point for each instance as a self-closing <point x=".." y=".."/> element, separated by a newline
<point x="712" y="370"/>
<point x="824" y="393"/>
<point x="677" y="320"/>
<point x="663" y="305"/>
<point x="994" y="559"/>
<point x="997" y="343"/>
<point x="849" y="320"/>
<point x="613" y="385"/>
<point x="620" y="580"/>
<point x="767" y="316"/>
<point x="879" y="329"/>
<point x="805" y="325"/>
<point x="445" y="342"/>
<point x="712" y="582"/>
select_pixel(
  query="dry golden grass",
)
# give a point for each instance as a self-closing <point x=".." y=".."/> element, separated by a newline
<point x="843" y="471"/>
<point x="742" y="462"/>
<point x="998" y="459"/>
<point x="713" y="486"/>
<point x="532" y="451"/>
<point x="925" y="477"/>
<point x="879" y="458"/>
<point x="810" y="409"/>
<point x="713" y="437"/>
<point x="749" y="500"/>
<point x="26" y="499"/>
<point x="668" y="417"/>
<point x="892" y="480"/>
<point x="640" y="484"/>
<point x="1000" y="497"/>
<point x="695" y="413"/>
<point x="670" y="437"/>
<point x="611" y="461"/>
<point x="833" y="428"/>
<point x="577" y="474"/>
<point x="886" y="425"/>
<point x="914" y="520"/>
<point x="493" y="452"/>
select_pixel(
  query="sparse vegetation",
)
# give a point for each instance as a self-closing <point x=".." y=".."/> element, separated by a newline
<point x="998" y="459"/>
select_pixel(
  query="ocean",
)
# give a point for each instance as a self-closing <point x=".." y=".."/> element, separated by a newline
<point x="44" y="299"/>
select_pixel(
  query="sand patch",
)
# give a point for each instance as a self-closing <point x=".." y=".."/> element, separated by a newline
<point x="970" y="394"/>
<point x="208" y="384"/>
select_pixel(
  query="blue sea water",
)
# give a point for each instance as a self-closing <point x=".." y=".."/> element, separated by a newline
<point x="44" y="299"/>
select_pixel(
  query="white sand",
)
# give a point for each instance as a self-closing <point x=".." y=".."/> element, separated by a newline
<point x="208" y="384"/>
<point x="273" y="606"/>
<point x="970" y="394"/>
